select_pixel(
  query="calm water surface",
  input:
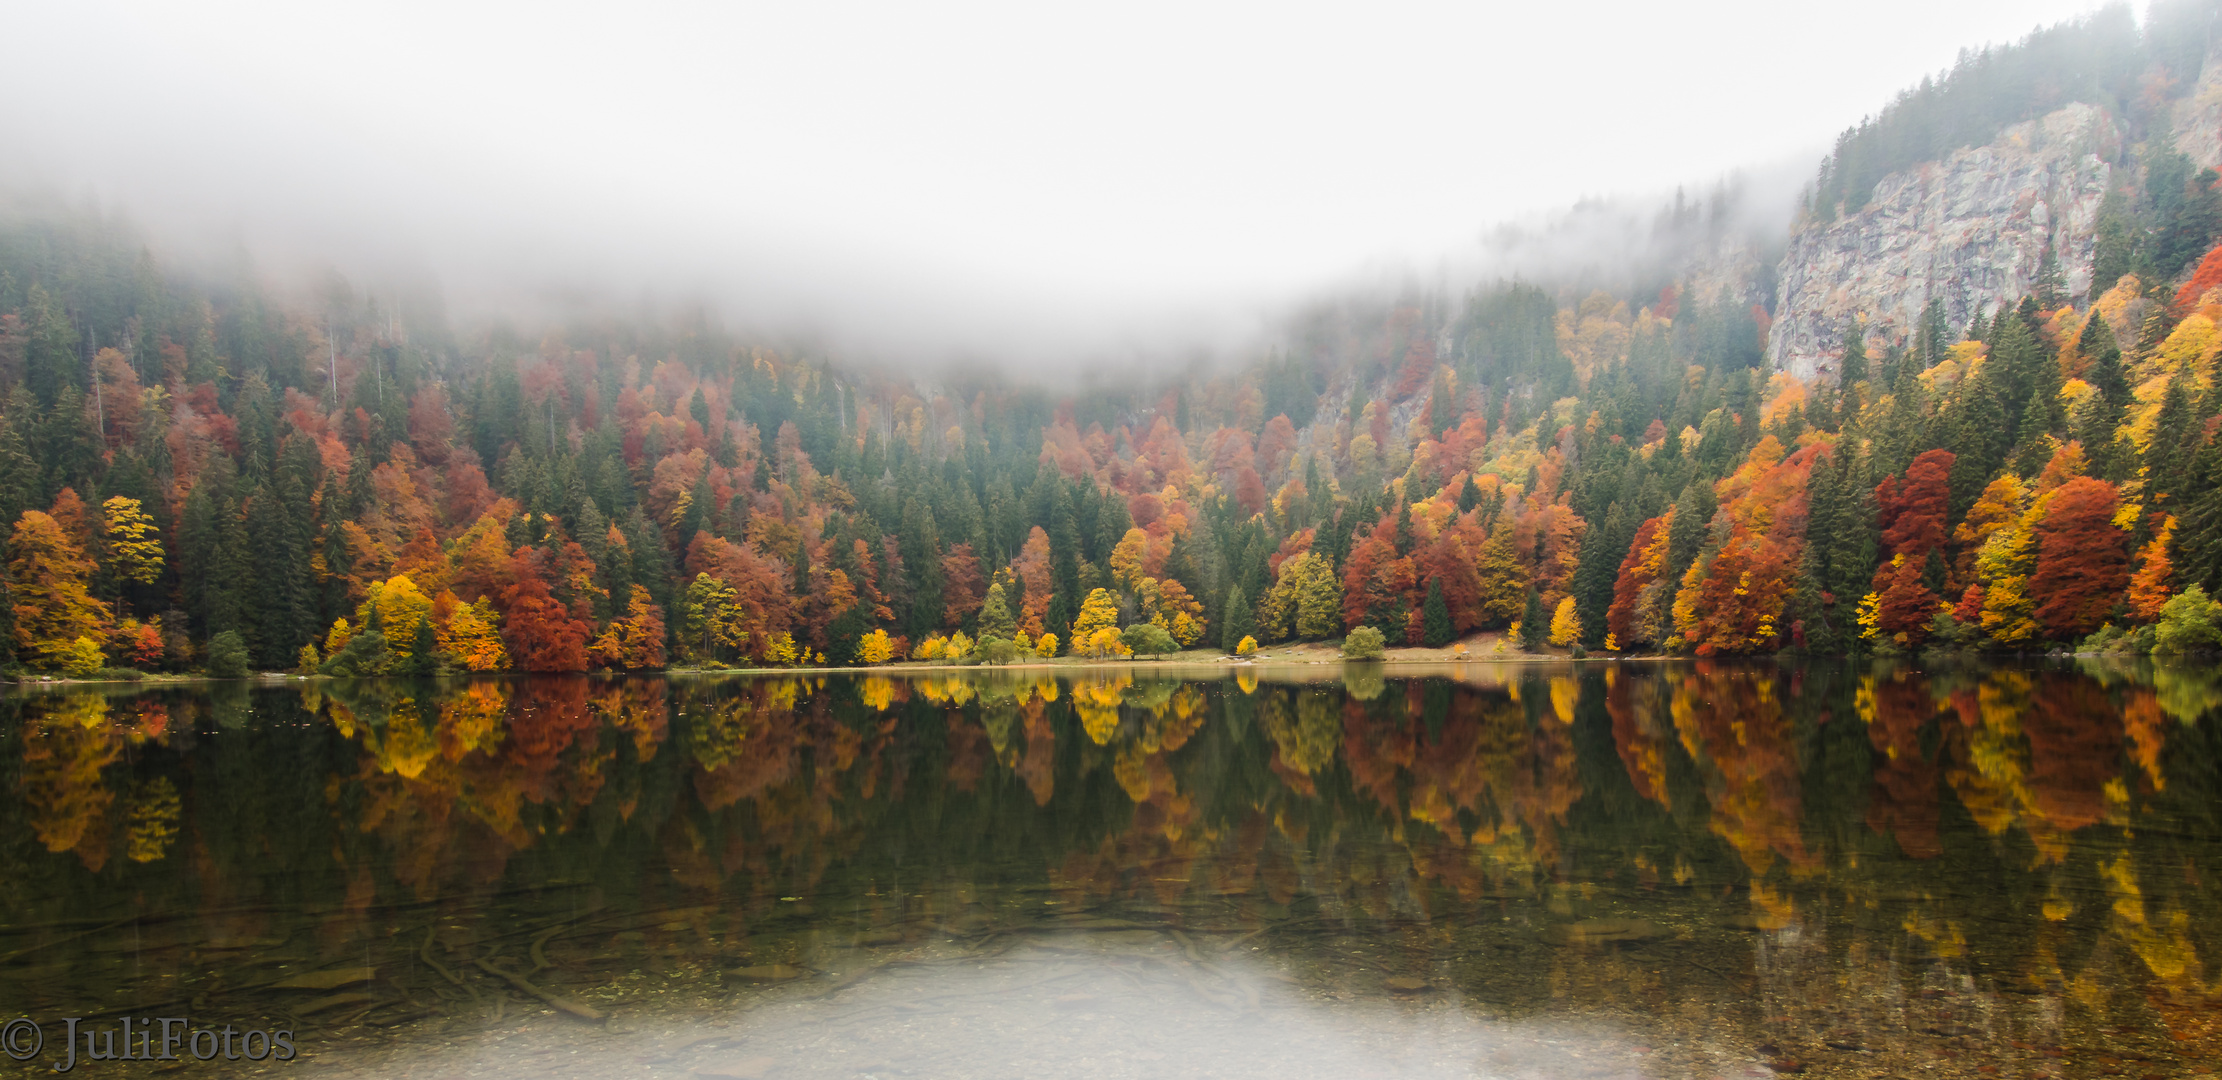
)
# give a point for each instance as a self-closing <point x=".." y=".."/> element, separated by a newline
<point x="1641" y="870"/>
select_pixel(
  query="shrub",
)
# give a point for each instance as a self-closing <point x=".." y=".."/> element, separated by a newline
<point x="227" y="654"/>
<point x="2189" y="622"/>
<point x="1247" y="646"/>
<point x="1364" y="643"/>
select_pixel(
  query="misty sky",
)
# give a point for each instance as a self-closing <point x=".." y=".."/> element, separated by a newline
<point x="1011" y="179"/>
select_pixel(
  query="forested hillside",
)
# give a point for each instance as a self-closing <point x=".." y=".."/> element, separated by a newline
<point x="233" y="474"/>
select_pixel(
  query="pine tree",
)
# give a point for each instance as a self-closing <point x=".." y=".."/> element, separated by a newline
<point x="995" y="618"/>
<point x="1851" y="373"/>
<point x="1239" y="622"/>
<point x="2168" y="456"/>
<point x="1534" y="627"/>
<point x="1602" y="550"/>
<point x="1436" y="629"/>
<point x="19" y="471"/>
<point x="921" y="548"/>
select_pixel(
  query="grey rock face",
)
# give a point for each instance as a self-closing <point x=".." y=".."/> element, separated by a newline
<point x="1970" y="230"/>
<point x="2199" y="116"/>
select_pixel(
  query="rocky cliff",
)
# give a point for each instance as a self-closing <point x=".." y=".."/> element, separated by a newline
<point x="2199" y="116"/>
<point x="1970" y="230"/>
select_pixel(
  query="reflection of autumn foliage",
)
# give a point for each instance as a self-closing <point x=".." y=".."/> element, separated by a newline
<point x="1640" y="733"/>
<point x="1305" y="725"/>
<point x="1904" y="802"/>
<point x="2075" y="750"/>
<point x="1096" y="699"/>
<point x="454" y="784"/>
<point x="1197" y="796"/>
<point x="154" y="814"/>
<point x="67" y="743"/>
<point x="1485" y="766"/>
<point x="1734" y="720"/>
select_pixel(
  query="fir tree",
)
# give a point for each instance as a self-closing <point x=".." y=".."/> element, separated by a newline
<point x="1851" y="374"/>
<point x="1239" y="622"/>
<point x="995" y="616"/>
<point x="1436" y="630"/>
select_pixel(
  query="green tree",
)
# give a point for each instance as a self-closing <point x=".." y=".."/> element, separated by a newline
<point x="1364" y="643"/>
<point x="1436" y="630"/>
<point x="1240" y="621"/>
<point x="1534" y="625"/>
<point x="227" y="655"/>
<point x="995" y="616"/>
<point x="1148" y="638"/>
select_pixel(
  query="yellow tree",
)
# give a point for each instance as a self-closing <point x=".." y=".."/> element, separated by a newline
<point x="637" y="640"/>
<point x="1103" y="643"/>
<point x="1126" y="558"/>
<point x="1566" y="626"/>
<point x="53" y="606"/>
<point x="1099" y="611"/>
<point x="875" y="648"/>
<point x="400" y="606"/>
<point x="133" y="543"/>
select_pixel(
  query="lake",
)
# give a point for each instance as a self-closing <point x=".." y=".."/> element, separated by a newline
<point x="1626" y="869"/>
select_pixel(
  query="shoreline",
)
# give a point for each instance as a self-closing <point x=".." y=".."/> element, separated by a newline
<point x="1481" y="649"/>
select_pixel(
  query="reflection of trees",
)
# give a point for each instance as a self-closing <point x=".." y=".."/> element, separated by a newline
<point x="2079" y="796"/>
<point x="1733" y="719"/>
<point x="1304" y="724"/>
<point x="67" y="743"/>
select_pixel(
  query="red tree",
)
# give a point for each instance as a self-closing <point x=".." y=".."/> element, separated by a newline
<point x="963" y="588"/>
<point x="541" y="633"/>
<point x="2082" y="561"/>
<point x="1912" y="512"/>
<point x="1638" y="570"/>
<point x="2207" y="276"/>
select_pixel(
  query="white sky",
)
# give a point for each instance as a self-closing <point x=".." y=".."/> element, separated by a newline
<point x="916" y="179"/>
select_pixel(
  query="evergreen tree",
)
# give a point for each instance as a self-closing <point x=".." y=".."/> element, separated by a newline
<point x="50" y="356"/>
<point x="19" y="472"/>
<point x="995" y="616"/>
<point x="1602" y="550"/>
<point x="1851" y="374"/>
<point x="921" y="548"/>
<point x="1239" y="622"/>
<point x="1436" y="629"/>
<point x="1534" y="626"/>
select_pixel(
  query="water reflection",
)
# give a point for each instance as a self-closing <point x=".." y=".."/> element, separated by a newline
<point x="1664" y="869"/>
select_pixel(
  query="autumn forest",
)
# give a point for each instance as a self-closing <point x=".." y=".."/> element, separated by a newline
<point x="207" y="471"/>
